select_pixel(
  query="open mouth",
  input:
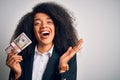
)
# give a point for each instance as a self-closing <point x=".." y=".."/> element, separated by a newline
<point x="45" y="33"/>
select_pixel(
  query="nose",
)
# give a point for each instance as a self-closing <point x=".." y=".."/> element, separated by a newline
<point x="43" y="25"/>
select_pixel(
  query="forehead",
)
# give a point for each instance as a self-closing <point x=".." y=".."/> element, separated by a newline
<point x="41" y="16"/>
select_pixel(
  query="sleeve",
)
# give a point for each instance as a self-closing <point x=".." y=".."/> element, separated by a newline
<point x="71" y="74"/>
<point x="11" y="75"/>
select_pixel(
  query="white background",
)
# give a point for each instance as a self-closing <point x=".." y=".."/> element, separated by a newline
<point x="97" y="22"/>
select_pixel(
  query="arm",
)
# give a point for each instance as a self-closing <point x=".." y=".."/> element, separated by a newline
<point x="68" y="64"/>
<point x="13" y="62"/>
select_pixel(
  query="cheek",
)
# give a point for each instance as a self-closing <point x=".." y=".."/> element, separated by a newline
<point x="36" y="29"/>
<point x="53" y="31"/>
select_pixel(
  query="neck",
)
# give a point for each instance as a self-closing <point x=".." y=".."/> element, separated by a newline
<point x="44" y="48"/>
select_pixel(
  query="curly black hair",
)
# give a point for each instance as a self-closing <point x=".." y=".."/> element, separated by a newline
<point x="65" y="33"/>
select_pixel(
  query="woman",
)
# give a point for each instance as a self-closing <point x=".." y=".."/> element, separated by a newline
<point x="52" y="54"/>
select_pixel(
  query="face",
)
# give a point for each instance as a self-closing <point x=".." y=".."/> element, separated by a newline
<point x="44" y="29"/>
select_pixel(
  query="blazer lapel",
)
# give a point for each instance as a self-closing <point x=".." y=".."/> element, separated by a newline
<point x="52" y="66"/>
<point x="28" y="65"/>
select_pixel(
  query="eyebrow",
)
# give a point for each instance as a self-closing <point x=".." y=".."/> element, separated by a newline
<point x="40" y="19"/>
<point x="37" y="20"/>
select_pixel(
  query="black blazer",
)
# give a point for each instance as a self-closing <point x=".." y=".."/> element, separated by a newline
<point x="51" y="72"/>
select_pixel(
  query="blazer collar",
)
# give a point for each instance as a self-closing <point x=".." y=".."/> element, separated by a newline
<point x="51" y="68"/>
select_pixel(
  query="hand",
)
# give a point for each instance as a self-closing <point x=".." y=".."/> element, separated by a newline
<point x="65" y="58"/>
<point x="13" y="62"/>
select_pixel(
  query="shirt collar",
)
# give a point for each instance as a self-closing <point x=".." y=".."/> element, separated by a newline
<point x="49" y="52"/>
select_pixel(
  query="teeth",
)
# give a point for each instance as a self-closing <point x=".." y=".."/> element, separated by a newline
<point x="45" y="33"/>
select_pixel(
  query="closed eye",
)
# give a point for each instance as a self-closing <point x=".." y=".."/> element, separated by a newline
<point x="49" y="21"/>
<point x="37" y="22"/>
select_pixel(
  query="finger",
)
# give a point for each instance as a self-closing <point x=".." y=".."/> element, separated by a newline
<point x="66" y="54"/>
<point x="75" y="49"/>
<point x="13" y="58"/>
<point x="71" y="54"/>
<point x="68" y="51"/>
<point x="80" y="42"/>
<point x="9" y="56"/>
<point x="13" y="63"/>
<point x="78" y="45"/>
